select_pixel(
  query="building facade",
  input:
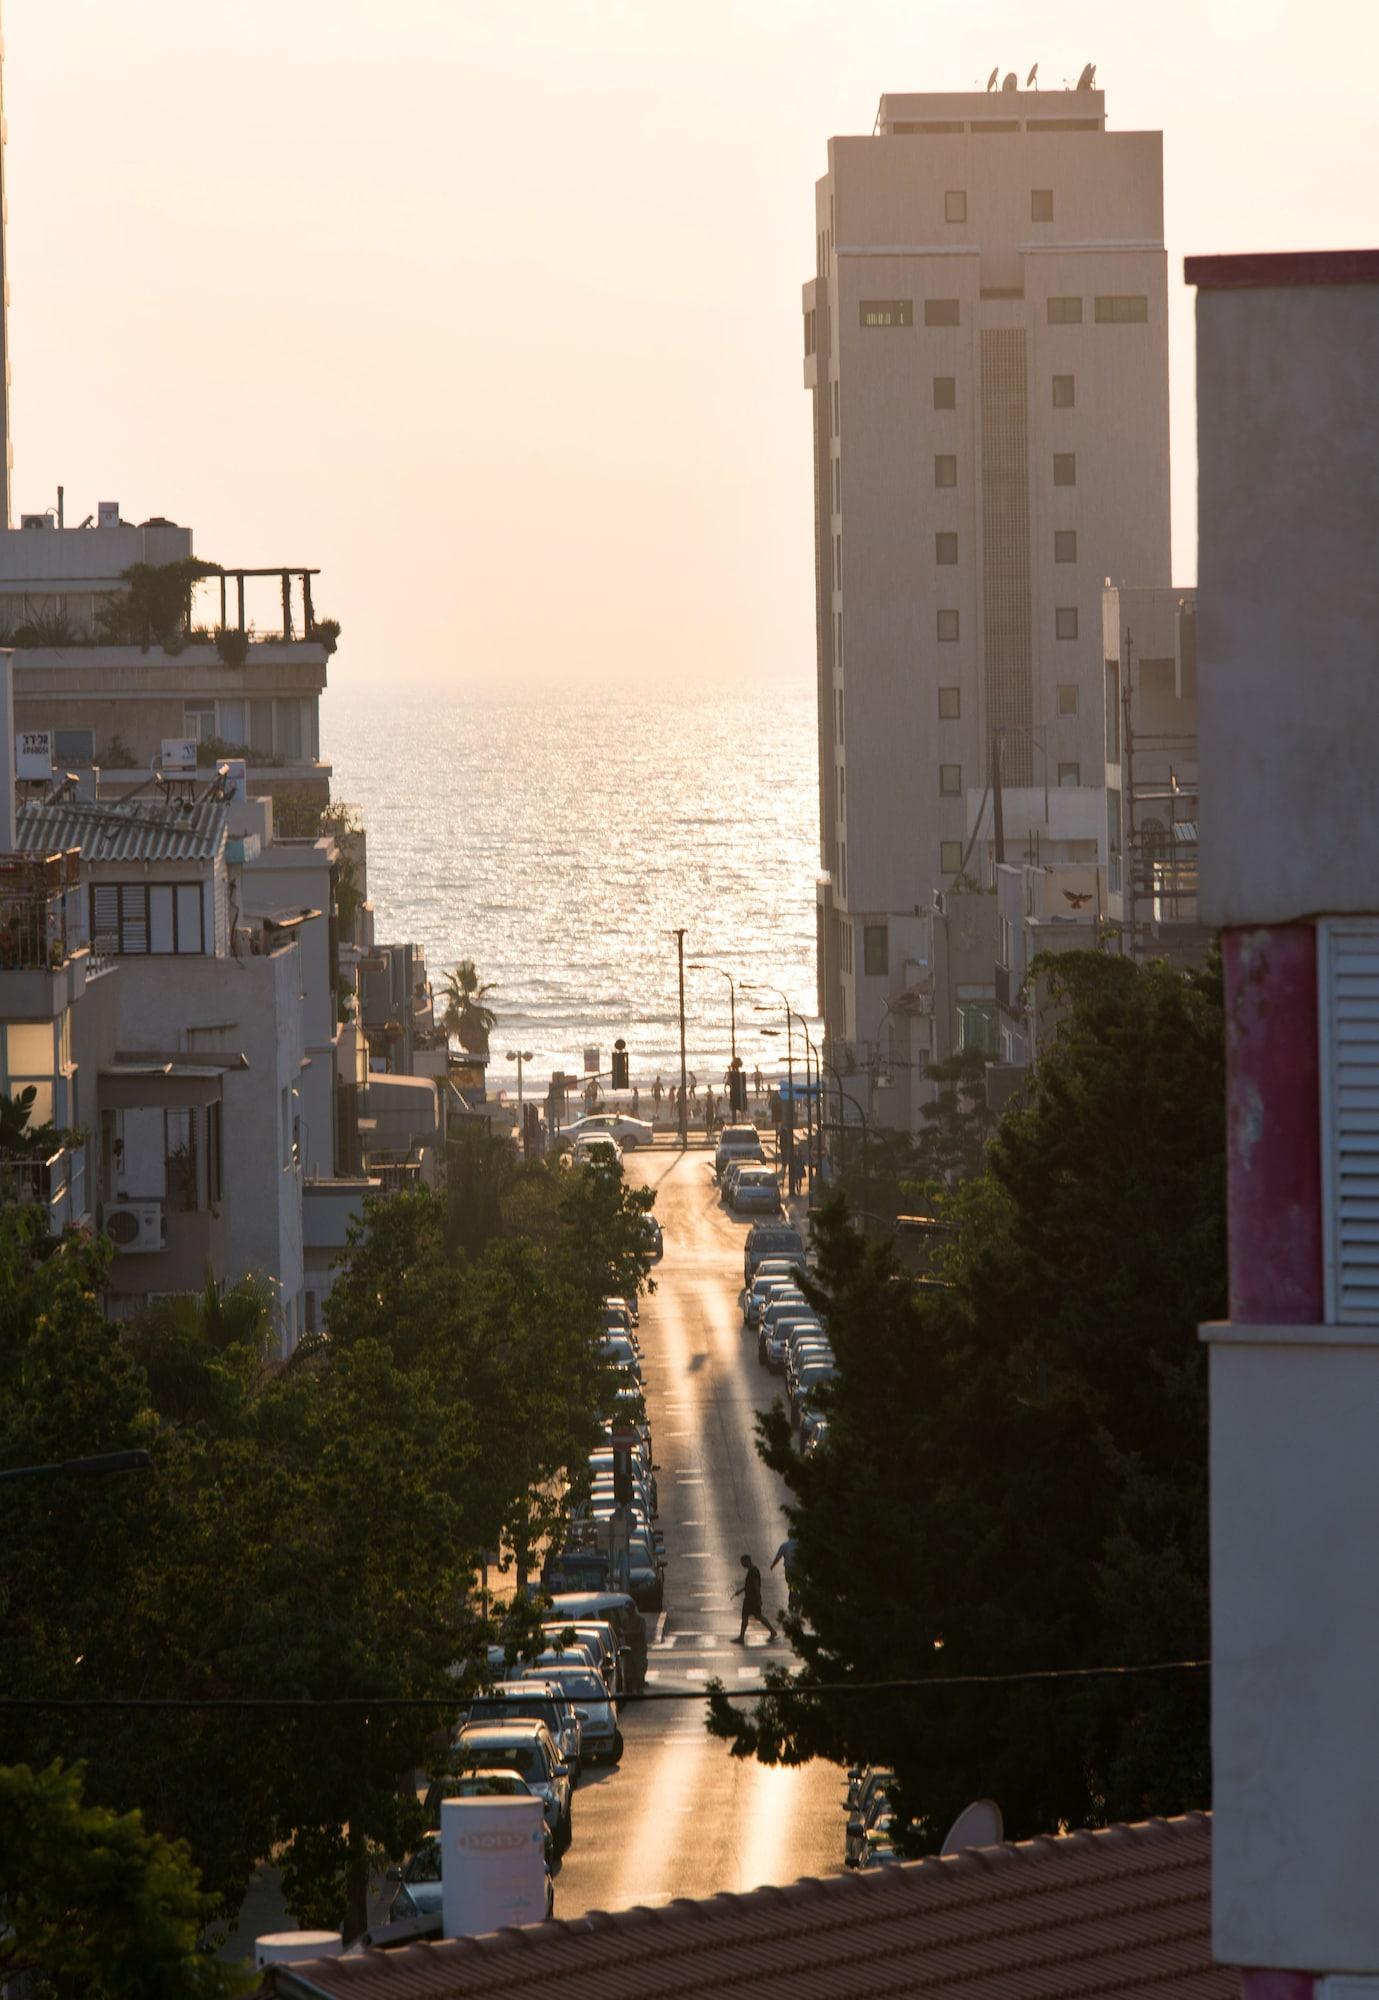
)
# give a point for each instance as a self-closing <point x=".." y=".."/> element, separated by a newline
<point x="987" y="351"/>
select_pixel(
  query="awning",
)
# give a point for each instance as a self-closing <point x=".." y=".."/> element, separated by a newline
<point x="138" y="1086"/>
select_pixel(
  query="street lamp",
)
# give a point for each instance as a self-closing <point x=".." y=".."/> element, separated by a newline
<point x="792" y="1015"/>
<point x="519" y="1056"/>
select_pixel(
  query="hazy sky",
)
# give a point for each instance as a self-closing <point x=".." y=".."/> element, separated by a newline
<point x="492" y="310"/>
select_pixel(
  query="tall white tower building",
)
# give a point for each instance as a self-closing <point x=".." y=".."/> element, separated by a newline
<point x="986" y="342"/>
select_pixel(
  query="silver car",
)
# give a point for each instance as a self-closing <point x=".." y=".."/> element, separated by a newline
<point x="585" y="1688"/>
<point x="756" y="1191"/>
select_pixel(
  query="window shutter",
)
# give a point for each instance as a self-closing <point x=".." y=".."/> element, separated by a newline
<point x="1349" y="1022"/>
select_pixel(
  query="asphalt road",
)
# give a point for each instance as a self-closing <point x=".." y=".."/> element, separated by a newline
<point x="681" y="1816"/>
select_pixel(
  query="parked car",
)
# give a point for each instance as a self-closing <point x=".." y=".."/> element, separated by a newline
<point x="813" y="1376"/>
<point x="655" y="1240"/>
<point x="755" y="1190"/>
<point x="593" y="1703"/>
<point x="418" y="1892"/>
<point x="628" y="1131"/>
<point x="615" y="1608"/>
<point x="618" y="1350"/>
<point x="736" y="1142"/>
<point x="625" y="1305"/>
<point x="545" y="1704"/>
<point x="769" y="1239"/>
<point x="467" y="1781"/>
<point x="868" y="1798"/>
<point x="597" y="1149"/>
<point x="814" y="1429"/>
<point x="602" y="1644"/>
<point x="525" y="1745"/>
<point x="773" y="1342"/>
<point x="772" y="1289"/>
<point x="771" y="1270"/>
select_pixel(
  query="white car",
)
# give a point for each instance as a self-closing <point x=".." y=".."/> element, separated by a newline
<point x="628" y="1131"/>
<point x="596" y="1149"/>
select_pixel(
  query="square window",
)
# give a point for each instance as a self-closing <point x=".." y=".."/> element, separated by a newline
<point x="945" y="470"/>
<point x="949" y="704"/>
<point x="1065" y="544"/>
<point x="1065" y="621"/>
<point x="1041" y="204"/>
<point x="950" y="780"/>
<point x="1067" y="698"/>
<point x="1070" y="774"/>
<point x="1063" y="392"/>
<point x="1065" y="312"/>
<point x="1130" y="311"/>
<point x="950" y="856"/>
<point x="876" y="950"/>
<point x="941" y="312"/>
<point x="887" y="312"/>
<point x="955" y="205"/>
<point x="1065" y="468"/>
<point x="945" y="392"/>
<point x="948" y="625"/>
<point x="945" y="548"/>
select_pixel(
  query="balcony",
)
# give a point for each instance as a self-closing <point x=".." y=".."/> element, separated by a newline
<point x="44" y="956"/>
<point x="56" y="1184"/>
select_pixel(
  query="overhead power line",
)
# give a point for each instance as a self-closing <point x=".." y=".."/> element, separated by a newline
<point x="364" y="1703"/>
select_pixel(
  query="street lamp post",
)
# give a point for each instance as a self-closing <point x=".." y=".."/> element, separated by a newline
<point x="519" y="1056"/>
<point x="684" y="1073"/>
<point x="790" y="1016"/>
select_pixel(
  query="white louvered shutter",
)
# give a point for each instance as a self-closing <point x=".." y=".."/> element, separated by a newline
<point x="1349" y="1024"/>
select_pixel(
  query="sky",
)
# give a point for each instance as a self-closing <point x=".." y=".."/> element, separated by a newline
<point x="492" y="310"/>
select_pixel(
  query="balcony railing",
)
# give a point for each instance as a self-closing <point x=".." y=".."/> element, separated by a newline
<point x="40" y="911"/>
<point x="57" y="1184"/>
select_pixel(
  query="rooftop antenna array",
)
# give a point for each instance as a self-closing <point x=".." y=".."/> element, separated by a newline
<point x="1030" y="83"/>
<point x="1087" y="80"/>
<point x="1010" y="81"/>
<point x="991" y="80"/>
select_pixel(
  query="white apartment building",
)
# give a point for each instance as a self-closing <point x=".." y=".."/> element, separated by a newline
<point x="987" y="346"/>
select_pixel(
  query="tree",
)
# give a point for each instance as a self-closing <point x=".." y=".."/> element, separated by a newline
<point x="93" y="1900"/>
<point x="466" y="1015"/>
<point x="1015" y="1474"/>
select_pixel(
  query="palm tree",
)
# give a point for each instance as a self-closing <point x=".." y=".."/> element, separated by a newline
<point x="465" y="1014"/>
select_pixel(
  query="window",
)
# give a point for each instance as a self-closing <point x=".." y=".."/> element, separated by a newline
<point x="950" y="780"/>
<point x="198" y="720"/>
<point x="1063" y="392"/>
<point x="947" y="625"/>
<point x="840" y="714"/>
<point x="1065" y="468"/>
<point x="950" y="704"/>
<point x="1065" y="312"/>
<point x="941" y="312"/>
<point x="945" y="548"/>
<point x="1041" y="204"/>
<point x="955" y="205"/>
<point x="1126" y="311"/>
<point x="945" y="470"/>
<point x="950" y="856"/>
<point x="876" y="950"/>
<point x="809" y="331"/>
<point x="945" y="392"/>
<point x="1065" y="545"/>
<point x="1070" y="774"/>
<point x="1065" y="621"/>
<point x="136" y="919"/>
<point x="1112" y="712"/>
<point x="887" y="312"/>
<point x="837" y="408"/>
<point x="1067" y="698"/>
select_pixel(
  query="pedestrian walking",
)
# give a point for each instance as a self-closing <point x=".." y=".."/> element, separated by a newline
<point x="749" y="1590"/>
<point x="785" y="1555"/>
<point x="656" y="1092"/>
<point x="636" y="1102"/>
<point x="758" y="1082"/>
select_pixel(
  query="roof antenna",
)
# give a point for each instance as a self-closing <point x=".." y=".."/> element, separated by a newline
<point x="1087" y="80"/>
<point x="1030" y="80"/>
<point x="991" y="80"/>
<point x="1010" y="81"/>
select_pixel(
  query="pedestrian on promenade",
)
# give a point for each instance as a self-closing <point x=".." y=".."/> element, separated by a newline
<point x="758" y="1081"/>
<point x="749" y="1590"/>
<point x="785" y="1555"/>
<point x="656" y="1092"/>
<point x="636" y="1102"/>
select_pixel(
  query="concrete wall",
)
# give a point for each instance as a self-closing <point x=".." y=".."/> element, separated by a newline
<point x="294" y="875"/>
<point x="1288" y="588"/>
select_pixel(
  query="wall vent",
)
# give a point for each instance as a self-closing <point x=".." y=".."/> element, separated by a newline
<point x="1348" y="1019"/>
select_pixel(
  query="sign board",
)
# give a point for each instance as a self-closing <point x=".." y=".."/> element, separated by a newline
<point x="33" y="753"/>
<point x="179" y="757"/>
<point x="591" y="1062"/>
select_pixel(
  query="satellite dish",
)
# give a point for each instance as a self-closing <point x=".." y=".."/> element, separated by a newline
<point x="1087" y="80"/>
<point x="979" y="1825"/>
<point x="1010" y="81"/>
<point x="991" y="80"/>
<point x="1029" y="80"/>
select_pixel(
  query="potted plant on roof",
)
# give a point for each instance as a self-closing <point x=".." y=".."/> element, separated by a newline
<point x="466" y="1014"/>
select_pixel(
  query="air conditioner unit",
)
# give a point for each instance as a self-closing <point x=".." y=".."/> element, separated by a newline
<point x="37" y="521"/>
<point x="136" y="1226"/>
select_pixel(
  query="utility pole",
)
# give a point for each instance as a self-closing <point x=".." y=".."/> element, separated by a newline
<point x="684" y="1073"/>
<point x="1128" y="854"/>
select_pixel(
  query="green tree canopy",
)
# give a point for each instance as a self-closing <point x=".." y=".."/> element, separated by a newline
<point x="1015" y="1476"/>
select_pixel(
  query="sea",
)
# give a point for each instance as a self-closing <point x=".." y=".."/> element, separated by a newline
<point x="560" y="843"/>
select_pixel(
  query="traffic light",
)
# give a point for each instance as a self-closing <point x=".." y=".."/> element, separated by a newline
<point x="737" y="1087"/>
<point x="620" y="1065"/>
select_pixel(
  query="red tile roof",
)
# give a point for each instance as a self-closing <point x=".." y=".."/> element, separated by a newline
<point x="1126" y="1911"/>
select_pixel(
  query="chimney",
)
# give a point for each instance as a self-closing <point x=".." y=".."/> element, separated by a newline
<point x="1288" y="678"/>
